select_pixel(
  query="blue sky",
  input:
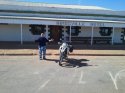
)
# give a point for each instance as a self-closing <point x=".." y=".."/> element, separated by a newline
<point x="111" y="4"/>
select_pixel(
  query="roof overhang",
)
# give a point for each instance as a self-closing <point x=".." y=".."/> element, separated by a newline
<point x="60" y="21"/>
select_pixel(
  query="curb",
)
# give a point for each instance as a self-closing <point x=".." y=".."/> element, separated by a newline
<point x="69" y="54"/>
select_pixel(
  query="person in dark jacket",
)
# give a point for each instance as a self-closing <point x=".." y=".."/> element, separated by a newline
<point x="42" y="46"/>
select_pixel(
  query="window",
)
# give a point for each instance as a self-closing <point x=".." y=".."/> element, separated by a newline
<point x="74" y="30"/>
<point x="105" y="31"/>
<point x="37" y="29"/>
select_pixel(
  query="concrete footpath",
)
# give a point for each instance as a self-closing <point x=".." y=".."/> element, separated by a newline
<point x="79" y="52"/>
<point x="52" y="49"/>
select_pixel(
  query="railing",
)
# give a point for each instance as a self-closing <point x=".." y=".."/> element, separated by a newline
<point x="106" y="40"/>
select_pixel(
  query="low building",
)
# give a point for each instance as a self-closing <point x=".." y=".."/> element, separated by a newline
<point x="24" y="21"/>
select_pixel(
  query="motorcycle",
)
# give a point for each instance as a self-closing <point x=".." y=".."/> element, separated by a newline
<point x="64" y="50"/>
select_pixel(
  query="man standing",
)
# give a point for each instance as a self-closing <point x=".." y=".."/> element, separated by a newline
<point x="42" y="46"/>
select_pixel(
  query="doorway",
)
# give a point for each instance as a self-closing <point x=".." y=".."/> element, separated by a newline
<point x="55" y="33"/>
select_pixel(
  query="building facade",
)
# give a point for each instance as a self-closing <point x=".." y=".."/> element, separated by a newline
<point x="24" y="21"/>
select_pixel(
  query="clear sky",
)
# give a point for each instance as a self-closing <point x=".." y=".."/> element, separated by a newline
<point x="110" y="4"/>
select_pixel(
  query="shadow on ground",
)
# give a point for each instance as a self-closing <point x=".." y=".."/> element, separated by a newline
<point x="70" y="63"/>
<point x="75" y="63"/>
<point x="55" y="60"/>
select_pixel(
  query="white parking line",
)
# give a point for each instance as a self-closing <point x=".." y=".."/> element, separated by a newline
<point x="114" y="79"/>
<point x="80" y="79"/>
<point x="43" y="85"/>
<point x="120" y="73"/>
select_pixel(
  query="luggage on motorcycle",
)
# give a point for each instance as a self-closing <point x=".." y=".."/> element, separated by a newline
<point x="71" y="48"/>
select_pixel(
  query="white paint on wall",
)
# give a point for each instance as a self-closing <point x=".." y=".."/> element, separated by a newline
<point x="85" y="32"/>
<point x="96" y="32"/>
<point x="11" y="32"/>
<point x="117" y="35"/>
<point x="27" y="35"/>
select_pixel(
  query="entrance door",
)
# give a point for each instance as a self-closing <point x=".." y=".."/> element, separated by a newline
<point x="55" y="33"/>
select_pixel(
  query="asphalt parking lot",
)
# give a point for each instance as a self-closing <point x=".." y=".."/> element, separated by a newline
<point x="83" y="74"/>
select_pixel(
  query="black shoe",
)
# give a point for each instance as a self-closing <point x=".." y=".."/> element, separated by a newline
<point x="44" y="58"/>
<point x="60" y="64"/>
<point x="40" y="58"/>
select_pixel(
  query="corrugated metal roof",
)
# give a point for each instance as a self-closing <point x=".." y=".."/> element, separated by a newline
<point x="51" y="5"/>
<point x="57" y="9"/>
<point x="62" y="19"/>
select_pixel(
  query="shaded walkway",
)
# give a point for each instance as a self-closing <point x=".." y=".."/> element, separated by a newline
<point x="15" y="48"/>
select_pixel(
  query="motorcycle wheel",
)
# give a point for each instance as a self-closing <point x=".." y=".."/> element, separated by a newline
<point x="60" y="59"/>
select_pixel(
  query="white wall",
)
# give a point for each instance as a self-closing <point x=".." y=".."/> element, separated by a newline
<point x="12" y="32"/>
<point x="27" y="35"/>
<point x="117" y="35"/>
<point x="9" y="32"/>
<point x="87" y="31"/>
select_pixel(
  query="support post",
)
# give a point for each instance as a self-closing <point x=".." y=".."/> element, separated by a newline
<point x="92" y="36"/>
<point x="21" y="34"/>
<point x="64" y="30"/>
<point x="47" y="31"/>
<point x="113" y="36"/>
<point x="70" y="34"/>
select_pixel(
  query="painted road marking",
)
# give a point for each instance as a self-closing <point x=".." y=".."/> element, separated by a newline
<point x="44" y="84"/>
<point x="114" y="79"/>
<point x="80" y="79"/>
